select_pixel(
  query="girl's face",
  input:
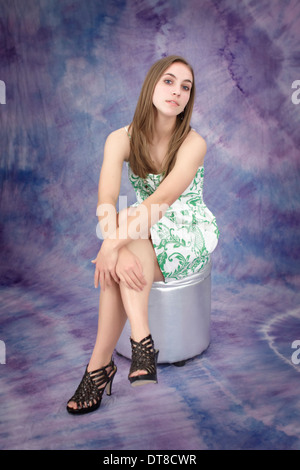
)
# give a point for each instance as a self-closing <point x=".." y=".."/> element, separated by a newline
<point x="173" y="89"/>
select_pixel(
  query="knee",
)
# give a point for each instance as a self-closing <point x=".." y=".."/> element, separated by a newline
<point x="141" y="247"/>
<point x="126" y="261"/>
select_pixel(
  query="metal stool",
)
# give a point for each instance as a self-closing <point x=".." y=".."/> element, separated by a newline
<point x="179" y="318"/>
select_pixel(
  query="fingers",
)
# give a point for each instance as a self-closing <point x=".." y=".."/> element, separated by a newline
<point x="96" y="275"/>
<point x="133" y="278"/>
<point x="139" y="273"/>
<point x="114" y="276"/>
<point x="104" y="277"/>
<point x="133" y="282"/>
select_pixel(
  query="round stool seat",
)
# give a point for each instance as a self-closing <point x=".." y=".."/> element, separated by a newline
<point x="179" y="318"/>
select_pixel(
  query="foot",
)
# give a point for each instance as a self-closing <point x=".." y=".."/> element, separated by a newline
<point x="89" y="393"/>
<point x="138" y="372"/>
<point x="143" y="365"/>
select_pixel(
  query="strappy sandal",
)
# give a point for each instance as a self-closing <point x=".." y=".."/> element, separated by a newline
<point x="89" y="393"/>
<point x="144" y="358"/>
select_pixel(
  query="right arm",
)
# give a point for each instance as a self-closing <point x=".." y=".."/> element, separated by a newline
<point x="116" y="151"/>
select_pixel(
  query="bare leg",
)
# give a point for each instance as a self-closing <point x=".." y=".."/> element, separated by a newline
<point x="112" y="318"/>
<point x="136" y="302"/>
<point x="117" y="303"/>
<point x="111" y="321"/>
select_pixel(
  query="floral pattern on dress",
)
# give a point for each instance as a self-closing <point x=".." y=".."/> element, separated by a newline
<point x="187" y="234"/>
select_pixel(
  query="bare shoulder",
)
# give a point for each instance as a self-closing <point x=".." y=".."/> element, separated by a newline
<point x="118" y="143"/>
<point x="119" y="135"/>
<point x="195" y="139"/>
<point x="193" y="148"/>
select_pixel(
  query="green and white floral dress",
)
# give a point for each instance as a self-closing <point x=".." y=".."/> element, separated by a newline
<point x="187" y="234"/>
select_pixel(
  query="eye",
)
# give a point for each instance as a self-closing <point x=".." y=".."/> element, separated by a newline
<point x="186" y="88"/>
<point x="168" y="81"/>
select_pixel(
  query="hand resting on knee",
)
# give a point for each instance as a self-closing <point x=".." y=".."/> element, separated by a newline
<point x="129" y="270"/>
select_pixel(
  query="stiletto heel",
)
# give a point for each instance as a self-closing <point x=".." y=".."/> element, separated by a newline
<point x="144" y="358"/>
<point x="109" y="385"/>
<point x="89" y="393"/>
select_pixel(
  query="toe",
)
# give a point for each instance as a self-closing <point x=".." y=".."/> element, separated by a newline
<point x="72" y="404"/>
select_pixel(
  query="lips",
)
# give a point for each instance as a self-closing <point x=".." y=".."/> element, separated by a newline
<point x="172" y="102"/>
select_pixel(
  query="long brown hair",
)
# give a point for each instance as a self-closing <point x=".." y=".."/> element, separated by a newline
<point x="142" y="126"/>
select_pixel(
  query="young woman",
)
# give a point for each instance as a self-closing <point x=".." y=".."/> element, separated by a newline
<point x="169" y="233"/>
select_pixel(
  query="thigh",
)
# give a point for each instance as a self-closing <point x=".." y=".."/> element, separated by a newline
<point x="144" y="250"/>
<point x="158" y="275"/>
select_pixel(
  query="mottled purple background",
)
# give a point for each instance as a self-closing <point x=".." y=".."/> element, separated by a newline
<point x="73" y="71"/>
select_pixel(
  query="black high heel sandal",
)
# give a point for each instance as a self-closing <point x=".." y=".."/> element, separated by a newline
<point x="144" y="358"/>
<point x="89" y="393"/>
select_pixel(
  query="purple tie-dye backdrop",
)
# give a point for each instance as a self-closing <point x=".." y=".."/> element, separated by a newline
<point x="73" y="70"/>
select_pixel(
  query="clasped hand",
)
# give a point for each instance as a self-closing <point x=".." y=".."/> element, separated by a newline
<point x="119" y="266"/>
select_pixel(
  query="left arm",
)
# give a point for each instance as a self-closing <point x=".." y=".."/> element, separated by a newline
<point x="189" y="158"/>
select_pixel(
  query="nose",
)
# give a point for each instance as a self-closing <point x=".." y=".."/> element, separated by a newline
<point x="176" y="91"/>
